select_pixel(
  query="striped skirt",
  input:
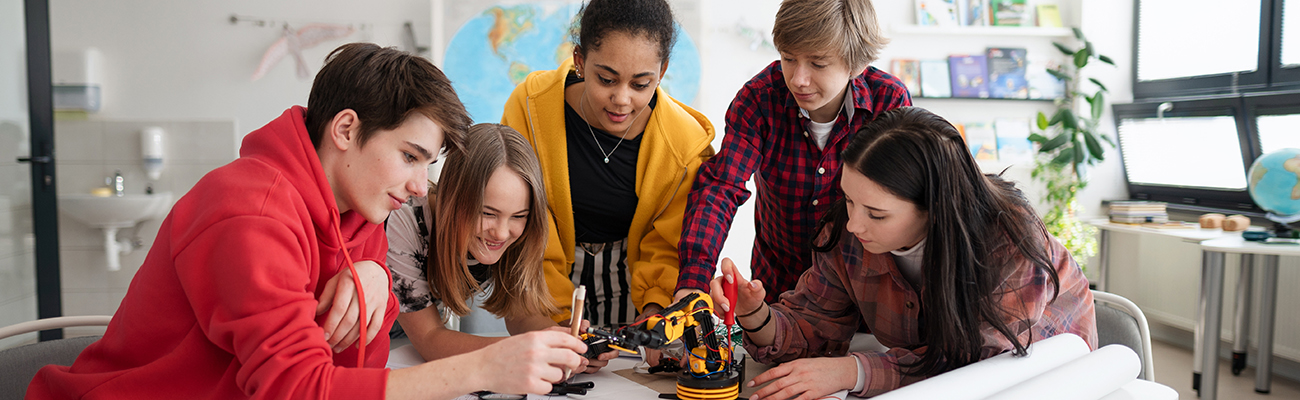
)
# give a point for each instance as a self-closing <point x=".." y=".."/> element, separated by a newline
<point x="602" y="267"/>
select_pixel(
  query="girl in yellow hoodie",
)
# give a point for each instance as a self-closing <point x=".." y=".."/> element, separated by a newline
<point x="619" y="156"/>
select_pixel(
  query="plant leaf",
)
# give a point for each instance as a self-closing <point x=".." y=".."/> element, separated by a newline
<point x="1063" y="49"/>
<point x="1106" y="59"/>
<point x="1094" y="147"/>
<point x="1081" y="58"/>
<point x="1065" y="157"/>
<point x="1098" y="83"/>
<point x="1054" y="143"/>
<point x="1078" y="33"/>
<point x="1059" y="75"/>
<point x="1098" y="105"/>
<point x="1036" y="138"/>
<point x="1068" y="120"/>
<point x="1108" y="139"/>
<point x="1042" y="121"/>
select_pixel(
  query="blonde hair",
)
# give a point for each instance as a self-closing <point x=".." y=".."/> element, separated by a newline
<point x="457" y="203"/>
<point x="845" y="27"/>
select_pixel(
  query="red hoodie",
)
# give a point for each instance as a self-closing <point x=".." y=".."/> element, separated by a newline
<point x="224" y="305"/>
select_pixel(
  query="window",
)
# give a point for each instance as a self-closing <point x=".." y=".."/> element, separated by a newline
<point x="1193" y="153"/>
<point x="1187" y="151"/>
<point x="1217" y="85"/>
<point x="1201" y="47"/>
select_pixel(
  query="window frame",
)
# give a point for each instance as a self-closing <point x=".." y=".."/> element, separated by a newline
<point x="1231" y="200"/>
<point x="1230" y="83"/>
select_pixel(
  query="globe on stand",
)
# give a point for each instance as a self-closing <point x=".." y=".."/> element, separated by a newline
<point x="1274" y="184"/>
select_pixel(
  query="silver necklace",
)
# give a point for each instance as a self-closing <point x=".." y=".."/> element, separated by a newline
<point x="581" y="106"/>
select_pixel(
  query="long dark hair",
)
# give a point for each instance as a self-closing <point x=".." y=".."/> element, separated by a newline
<point x="978" y="226"/>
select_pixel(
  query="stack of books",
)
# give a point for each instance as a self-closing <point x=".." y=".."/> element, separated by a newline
<point x="1138" y="212"/>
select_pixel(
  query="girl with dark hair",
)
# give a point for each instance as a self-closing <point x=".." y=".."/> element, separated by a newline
<point x="618" y="156"/>
<point x="946" y="265"/>
<point x="482" y="226"/>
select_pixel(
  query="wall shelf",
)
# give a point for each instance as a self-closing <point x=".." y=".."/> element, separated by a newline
<point x="1029" y="31"/>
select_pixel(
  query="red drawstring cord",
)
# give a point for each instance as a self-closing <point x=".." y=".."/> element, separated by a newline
<point x="361" y="296"/>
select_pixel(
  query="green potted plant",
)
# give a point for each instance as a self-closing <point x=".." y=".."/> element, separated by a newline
<point x="1070" y="142"/>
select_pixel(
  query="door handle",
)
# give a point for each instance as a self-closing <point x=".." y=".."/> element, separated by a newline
<point x="35" y="160"/>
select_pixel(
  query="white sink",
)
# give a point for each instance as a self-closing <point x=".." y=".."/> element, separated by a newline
<point x="115" y="212"/>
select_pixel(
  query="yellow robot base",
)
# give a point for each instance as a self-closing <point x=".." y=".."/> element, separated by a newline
<point x="692" y="388"/>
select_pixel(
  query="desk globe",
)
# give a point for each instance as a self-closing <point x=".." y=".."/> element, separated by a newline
<point x="1275" y="187"/>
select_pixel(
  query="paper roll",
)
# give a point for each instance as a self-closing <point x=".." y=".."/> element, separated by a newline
<point x="1089" y="377"/>
<point x="984" y="378"/>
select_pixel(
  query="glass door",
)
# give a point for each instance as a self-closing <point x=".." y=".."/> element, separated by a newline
<point x="28" y="213"/>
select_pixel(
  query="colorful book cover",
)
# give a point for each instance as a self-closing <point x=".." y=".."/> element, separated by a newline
<point x="974" y="12"/>
<point x="982" y="140"/>
<point x="1009" y="12"/>
<point x="1043" y="85"/>
<point x="1049" y="16"/>
<point x="1007" y="73"/>
<point x="1013" y="140"/>
<point x="969" y="76"/>
<point x="908" y="71"/>
<point x="934" y="79"/>
<point x="937" y="13"/>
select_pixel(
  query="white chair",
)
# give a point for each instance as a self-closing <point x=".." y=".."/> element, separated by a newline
<point x="1119" y="321"/>
<point x="18" y="365"/>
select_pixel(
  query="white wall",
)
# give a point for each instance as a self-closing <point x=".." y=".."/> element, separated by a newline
<point x="184" y="59"/>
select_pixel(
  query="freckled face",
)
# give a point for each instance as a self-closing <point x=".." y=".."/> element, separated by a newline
<point x="880" y="220"/>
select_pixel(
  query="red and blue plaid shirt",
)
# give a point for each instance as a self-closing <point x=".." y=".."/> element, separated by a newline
<point x="849" y="286"/>
<point x="796" y="181"/>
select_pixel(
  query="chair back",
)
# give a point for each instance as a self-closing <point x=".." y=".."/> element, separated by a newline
<point x="1119" y="321"/>
<point x="19" y="365"/>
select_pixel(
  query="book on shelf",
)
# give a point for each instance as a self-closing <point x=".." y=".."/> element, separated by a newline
<point x="969" y="76"/>
<point x="982" y="141"/>
<point x="1042" y="84"/>
<point x="908" y="71"/>
<point x="974" y="12"/>
<point x="1006" y="67"/>
<point x="1138" y="212"/>
<point x="1009" y="12"/>
<point x="937" y="13"/>
<point x="1049" y="15"/>
<point x="1013" y="140"/>
<point x="934" y="79"/>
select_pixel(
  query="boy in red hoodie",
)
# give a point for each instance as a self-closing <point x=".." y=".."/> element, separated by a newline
<point x="226" y="304"/>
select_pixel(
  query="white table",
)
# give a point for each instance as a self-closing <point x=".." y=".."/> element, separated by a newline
<point x="1241" y="330"/>
<point x="1210" y="307"/>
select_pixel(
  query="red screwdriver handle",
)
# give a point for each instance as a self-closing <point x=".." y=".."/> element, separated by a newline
<point x="729" y="290"/>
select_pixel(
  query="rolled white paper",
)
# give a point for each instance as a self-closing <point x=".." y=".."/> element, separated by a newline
<point x="984" y="378"/>
<point x="1090" y="377"/>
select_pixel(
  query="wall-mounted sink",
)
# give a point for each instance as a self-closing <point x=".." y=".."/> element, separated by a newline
<point x="113" y="213"/>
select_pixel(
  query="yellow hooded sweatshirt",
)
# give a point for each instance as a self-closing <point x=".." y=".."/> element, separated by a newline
<point x="676" y="141"/>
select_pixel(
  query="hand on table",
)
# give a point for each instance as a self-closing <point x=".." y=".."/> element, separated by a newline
<point x="342" y="327"/>
<point x="651" y="356"/>
<point x="807" y="378"/>
<point x="528" y="363"/>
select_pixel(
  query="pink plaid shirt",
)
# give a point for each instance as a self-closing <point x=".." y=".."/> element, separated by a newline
<point x="847" y="286"/>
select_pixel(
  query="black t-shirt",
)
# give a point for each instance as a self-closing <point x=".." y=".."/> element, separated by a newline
<point x="604" y="194"/>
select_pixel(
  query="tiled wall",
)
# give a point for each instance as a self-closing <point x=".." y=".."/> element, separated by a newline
<point x="89" y="151"/>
